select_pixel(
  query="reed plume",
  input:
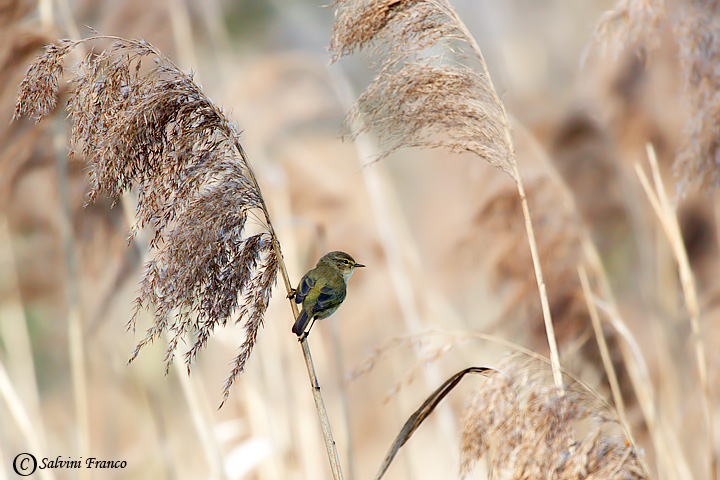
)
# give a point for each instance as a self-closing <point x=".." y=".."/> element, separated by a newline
<point x="631" y="24"/>
<point x="528" y="428"/>
<point x="635" y="26"/>
<point x="22" y="142"/>
<point x="140" y="121"/>
<point x="420" y="99"/>
<point x="423" y="96"/>
<point x="152" y="127"/>
<point x="698" y="161"/>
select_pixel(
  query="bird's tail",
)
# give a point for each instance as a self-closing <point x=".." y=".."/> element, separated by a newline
<point x="301" y="323"/>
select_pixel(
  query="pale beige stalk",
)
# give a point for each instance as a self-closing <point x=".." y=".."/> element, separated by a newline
<point x="15" y="335"/>
<point x="74" y="314"/>
<point x="317" y="395"/>
<point x="21" y="417"/>
<point x="202" y="422"/>
<point x="665" y="213"/>
<point x="602" y="344"/>
<point x="547" y="317"/>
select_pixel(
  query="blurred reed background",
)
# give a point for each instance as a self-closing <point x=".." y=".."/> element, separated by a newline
<point x="442" y="235"/>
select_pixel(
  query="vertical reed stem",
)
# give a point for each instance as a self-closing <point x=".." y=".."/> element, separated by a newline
<point x="661" y="204"/>
<point x="604" y="350"/>
<point x="317" y="395"/>
<point x="550" y="330"/>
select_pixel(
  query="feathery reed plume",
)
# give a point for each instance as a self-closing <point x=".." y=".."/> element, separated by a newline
<point x="698" y="161"/>
<point x="20" y="41"/>
<point x="420" y="99"/>
<point x="528" y="428"/>
<point x="634" y="25"/>
<point x="154" y="128"/>
<point x="631" y="24"/>
<point x="423" y="96"/>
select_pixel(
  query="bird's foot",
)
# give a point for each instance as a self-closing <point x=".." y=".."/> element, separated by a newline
<point x="291" y="295"/>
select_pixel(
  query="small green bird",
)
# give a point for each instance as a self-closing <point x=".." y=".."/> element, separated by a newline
<point x="323" y="289"/>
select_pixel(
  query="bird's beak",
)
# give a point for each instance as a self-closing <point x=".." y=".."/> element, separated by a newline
<point x="359" y="265"/>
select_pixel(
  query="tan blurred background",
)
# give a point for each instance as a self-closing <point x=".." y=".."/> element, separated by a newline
<point x="441" y="234"/>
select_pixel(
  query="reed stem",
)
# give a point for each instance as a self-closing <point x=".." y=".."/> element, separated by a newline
<point x="317" y="395"/>
<point x="545" y="304"/>
<point x="661" y="204"/>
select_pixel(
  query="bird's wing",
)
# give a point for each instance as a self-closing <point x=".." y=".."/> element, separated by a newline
<point x="328" y="298"/>
<point x="304" y="288"/>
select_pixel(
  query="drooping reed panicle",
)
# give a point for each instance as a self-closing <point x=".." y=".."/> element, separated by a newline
<point x="698" y="161"/>
<point x="139" y="120"/>
<point x="528" y="428"/>
<point x="152" y="127"/>
<point x="432" y="89"/>
<point x="420" y="97"/>
<point x="631" y="24"/>
<point x="636" y="26"/>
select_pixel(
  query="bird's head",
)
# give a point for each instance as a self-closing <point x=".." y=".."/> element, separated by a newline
<point x="342" y="261"/>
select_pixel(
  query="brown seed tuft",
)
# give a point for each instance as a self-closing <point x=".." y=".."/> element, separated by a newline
<point x="420" y="99"/>
<point x="631" y="25"/>
<point x="698" y="161"/>
<point x="528" y="428"/>
<point x="139" y="121"/>
<point x="39" y="89"/>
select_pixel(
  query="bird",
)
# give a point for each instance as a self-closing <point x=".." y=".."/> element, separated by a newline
<point x="322" y="289"/>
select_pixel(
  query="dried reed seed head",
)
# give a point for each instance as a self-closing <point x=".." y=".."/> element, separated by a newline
<point x="631" y="25"/>
<point x="19" y="44"/>
<point x="406" y="27"/>
<point x="434" y="106"/>
<point x="528" y="428"/>
<point x="698" y="162"/>
<point x="39" y="89"/>
<point x="255" y="303"/>
<point x="151" y="126"/>
<point x="23" y="142"/>
<point x="637" y="25"/>
<point x="419" y="98"/>
<point x="167" y="135"/>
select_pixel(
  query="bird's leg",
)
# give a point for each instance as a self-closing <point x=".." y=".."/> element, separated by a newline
<point x="307" y="331"/>
<point x="291" y="295"/>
